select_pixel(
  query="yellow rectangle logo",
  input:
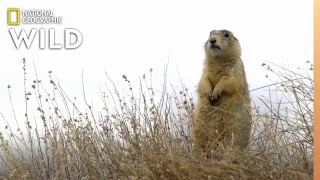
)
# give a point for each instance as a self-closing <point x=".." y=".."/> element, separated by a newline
<point x="13" y="16"/>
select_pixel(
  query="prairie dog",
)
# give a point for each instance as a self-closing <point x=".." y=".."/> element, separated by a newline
<point x="223" y="108"/>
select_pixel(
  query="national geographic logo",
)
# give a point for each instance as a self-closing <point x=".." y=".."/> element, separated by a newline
<point x="32" y="16"/>
<point x="72" y="38"/>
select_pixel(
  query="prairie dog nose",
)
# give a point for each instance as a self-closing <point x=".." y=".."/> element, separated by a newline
<point x="213" y="40"/>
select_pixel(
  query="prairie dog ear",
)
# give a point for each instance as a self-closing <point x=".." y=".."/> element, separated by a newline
<point x="235" y="38"/>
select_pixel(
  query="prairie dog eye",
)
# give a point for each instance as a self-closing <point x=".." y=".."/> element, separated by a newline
<point x="226" y="35"/>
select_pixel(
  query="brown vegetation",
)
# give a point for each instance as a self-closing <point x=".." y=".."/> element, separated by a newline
<point x="139" y="137"/>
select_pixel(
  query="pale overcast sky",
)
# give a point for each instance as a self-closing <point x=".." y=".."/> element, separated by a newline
<point x="130" y="37"/>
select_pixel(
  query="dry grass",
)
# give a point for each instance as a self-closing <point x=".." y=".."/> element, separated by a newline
<point x="143" y="136"/>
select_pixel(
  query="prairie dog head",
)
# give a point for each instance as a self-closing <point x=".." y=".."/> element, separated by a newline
<point x="222" y="43"/>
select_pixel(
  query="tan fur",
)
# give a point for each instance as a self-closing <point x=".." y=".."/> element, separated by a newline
<point x="223" y="109"/>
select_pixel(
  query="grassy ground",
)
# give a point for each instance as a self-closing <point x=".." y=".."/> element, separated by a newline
<point x="143" y="136"/>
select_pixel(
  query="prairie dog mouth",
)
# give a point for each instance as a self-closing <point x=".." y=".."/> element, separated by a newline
<point x="214" y="46"/>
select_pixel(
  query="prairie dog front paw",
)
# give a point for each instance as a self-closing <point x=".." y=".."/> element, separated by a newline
<point x="215" y="95"/>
